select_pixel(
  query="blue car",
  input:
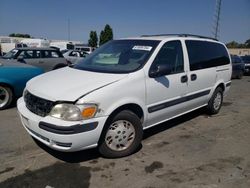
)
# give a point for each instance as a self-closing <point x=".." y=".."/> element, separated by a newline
<point x="13" y="78"/>
<point x="238" y="67"/>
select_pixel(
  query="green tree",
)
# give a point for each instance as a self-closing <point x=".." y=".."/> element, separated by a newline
<point x="93" y="39"/>
<point x="106" y="34"/>
<point x="19" y="35"/>
<point x="232" y="44"/>
<point x="101" y="40"/>
<point x="247" y="43"/>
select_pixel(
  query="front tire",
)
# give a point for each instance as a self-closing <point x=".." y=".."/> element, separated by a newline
<point x="121" y="136"/>
<point x="215" y="102"/>
<point x="6" y="97"/>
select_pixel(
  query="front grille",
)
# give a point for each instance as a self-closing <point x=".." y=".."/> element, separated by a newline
<point x="37" y="105"/>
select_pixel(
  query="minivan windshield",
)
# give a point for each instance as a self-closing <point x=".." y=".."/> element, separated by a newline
<point x="119" y="56"/>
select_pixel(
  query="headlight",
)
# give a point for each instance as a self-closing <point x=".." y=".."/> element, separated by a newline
<point x="71" y="112"/>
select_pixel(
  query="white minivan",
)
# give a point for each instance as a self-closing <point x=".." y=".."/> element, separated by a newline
<point x="122" y="88"/>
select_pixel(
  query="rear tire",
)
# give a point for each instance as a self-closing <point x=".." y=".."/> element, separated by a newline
<point x="121" y="136"/>
<point x="6" y="97"/>
<point x="215" y="102"/>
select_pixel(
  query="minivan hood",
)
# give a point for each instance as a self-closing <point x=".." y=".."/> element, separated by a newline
<point x="69" y="84"/>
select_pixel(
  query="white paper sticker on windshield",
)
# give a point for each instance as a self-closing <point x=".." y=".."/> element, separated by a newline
<point x="146" y="48"/>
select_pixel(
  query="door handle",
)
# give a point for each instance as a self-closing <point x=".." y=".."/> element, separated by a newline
<point x="184" y="79"/>
<point x="193" y="77"/>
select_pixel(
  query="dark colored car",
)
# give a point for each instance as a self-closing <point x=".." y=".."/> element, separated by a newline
<point x="46" y="58"/>
<point x="246" y="60"/>
<point x="238" y="67"/>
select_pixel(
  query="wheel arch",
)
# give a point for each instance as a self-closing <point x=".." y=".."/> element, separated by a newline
<point x="133" y="107"/>
<point x="8" y="85"/>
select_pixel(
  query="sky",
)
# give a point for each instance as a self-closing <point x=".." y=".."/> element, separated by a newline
<point x="128" y="18"/>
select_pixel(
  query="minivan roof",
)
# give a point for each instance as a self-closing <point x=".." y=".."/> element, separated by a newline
<point x="36" y="48"/>
<point x="165" y="36"/>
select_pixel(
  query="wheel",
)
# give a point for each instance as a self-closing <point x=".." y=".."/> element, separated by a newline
<point x="121" y="136"/>
<point x="6" y="97"/>
<point x="215" y="102"/>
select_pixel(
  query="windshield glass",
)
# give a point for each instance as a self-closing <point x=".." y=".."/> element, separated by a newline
<point x="119" y="56"/>
<point x="11" y="54"/>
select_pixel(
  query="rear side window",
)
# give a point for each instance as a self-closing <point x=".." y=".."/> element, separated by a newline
<point x="203" y="54"/>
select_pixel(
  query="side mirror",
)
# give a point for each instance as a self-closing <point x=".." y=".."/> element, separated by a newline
<point x="160" y="70"/>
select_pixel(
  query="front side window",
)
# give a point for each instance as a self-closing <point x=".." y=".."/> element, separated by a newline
<point x="170" y="55"/>
<point x="119" y="56"/>
<point x="203" y="54"/>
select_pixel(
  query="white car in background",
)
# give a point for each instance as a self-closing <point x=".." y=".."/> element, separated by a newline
<point x="122" y="88"/>
<point x="73" y="56"/>
<point x="86" y="49"/>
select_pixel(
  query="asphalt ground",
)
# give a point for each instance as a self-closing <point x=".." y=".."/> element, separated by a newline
<point x="195" y="150"/>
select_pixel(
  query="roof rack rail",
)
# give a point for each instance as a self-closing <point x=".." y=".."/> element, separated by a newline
<point x="180" y="35"/>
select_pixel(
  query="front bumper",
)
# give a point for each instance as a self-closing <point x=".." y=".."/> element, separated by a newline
<point x="247" y="68"/>
<point x="59" y="134"/>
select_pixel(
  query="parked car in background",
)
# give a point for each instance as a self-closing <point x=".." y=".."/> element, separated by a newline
<point x="61" y="45"/>
<point x="122" y="88"/>
<point x="46" y="58"/>
<point x="6" y="47"/>
<point x="38" y="43"/>
<point x="246" y="60"/>
<point x="13" y="78"/>
<point x="73" y="56"/>
<point x="238" y="67"/>
<point x="83" y="48"/>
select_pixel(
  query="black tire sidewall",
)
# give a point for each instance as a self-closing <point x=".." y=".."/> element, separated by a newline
<point x="211" y="109"/>
<point x="10" y="97"/>
<point x="135" y="121"/>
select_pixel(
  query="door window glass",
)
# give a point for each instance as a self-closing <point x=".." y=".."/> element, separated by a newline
<point x="171" y="54"/>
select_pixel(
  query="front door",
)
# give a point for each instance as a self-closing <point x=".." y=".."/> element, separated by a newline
<point x="165" y="93"/>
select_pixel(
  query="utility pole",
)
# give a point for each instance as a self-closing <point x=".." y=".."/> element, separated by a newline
<point x="216" y="23"/>
<point x="68" y="29"/>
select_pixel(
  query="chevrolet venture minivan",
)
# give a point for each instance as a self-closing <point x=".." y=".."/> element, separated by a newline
<point x="122" y="88"/>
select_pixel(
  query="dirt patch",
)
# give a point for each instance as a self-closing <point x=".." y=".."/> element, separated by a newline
<point x="154" y="166"/>
<point x="8" y="169"/>
<point x="162" y="144"/>
<point x="57" y="175"/>
<point x="227" y="103"/>
<point x="219" y="166"/>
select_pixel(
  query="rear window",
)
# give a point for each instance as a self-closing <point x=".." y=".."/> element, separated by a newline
<point x="203" y="54"/>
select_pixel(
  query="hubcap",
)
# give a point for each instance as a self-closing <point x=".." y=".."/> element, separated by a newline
<point x="217" y="101"/>
<point x="120" y="135"/>
<point x="4" y="96"/>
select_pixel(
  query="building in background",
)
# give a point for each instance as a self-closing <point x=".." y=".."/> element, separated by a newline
<point x="239" y="51"/>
